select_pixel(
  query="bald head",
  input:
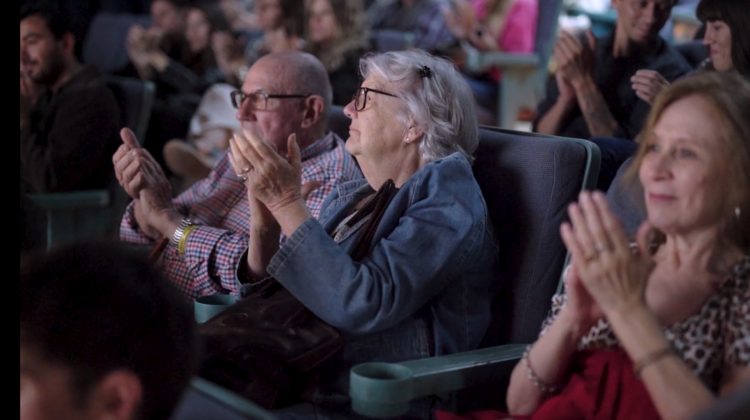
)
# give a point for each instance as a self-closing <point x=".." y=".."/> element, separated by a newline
<point x="289" y="73"/>
<point x="299" y="72"/>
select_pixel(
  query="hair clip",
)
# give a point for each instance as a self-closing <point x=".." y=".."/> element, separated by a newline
<point x="424" y="71"/>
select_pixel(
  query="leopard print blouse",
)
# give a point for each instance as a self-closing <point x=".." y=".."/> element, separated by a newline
<point x="709" y="342"/>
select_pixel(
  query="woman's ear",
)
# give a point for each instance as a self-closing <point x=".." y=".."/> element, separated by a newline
<point x="413" y="132"/>
<point x="313" y="111"/>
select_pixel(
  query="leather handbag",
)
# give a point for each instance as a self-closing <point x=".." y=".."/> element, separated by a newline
<point x="267" y="346"/>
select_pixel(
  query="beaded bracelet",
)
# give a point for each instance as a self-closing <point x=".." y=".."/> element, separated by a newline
<point x="534" y="378"/>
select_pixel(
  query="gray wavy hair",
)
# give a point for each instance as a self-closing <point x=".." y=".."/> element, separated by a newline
<point x="436" y="95"/>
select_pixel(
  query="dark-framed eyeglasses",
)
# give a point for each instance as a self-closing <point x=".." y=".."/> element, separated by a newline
<point x="360" y="97"/>
<point x="259" y="100"/>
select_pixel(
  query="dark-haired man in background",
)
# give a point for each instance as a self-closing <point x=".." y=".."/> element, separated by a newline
<point x="69" y="118"/>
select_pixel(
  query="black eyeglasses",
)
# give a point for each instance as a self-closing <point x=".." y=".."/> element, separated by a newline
<point x="360" y="97"/>
<point x="259" y="100"/>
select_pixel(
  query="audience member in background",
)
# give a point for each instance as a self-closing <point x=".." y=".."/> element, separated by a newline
<point x="283" y="93"/>
<point x="492" y="25"/>
<point x="590" y="94"/>
<point x="676" y="302"/>
<point x="422" y="18"/>
<point x="211" y="127"/>
<point x="167" y="33"/>
<point x="180" y="82"/>
<point x="102" y="336"/>
<point x="69" y="118"/>
<point x="239" y="15"/>
<point x="422" y="285"/>
<point x="282" y="23"/>
<point x="338" y="35"/>
<point x="727" y="52"/>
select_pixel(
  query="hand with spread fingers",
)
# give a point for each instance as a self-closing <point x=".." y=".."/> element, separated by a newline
<point x="611" y="272"/>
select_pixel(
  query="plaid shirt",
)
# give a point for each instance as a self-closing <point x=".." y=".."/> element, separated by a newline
<point x="219" y="205"/>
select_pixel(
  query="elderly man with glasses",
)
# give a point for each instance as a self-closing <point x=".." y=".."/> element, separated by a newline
<point x="204" y="231"/>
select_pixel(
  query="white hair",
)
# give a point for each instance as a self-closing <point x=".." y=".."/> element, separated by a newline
<point x="437" y="97"/>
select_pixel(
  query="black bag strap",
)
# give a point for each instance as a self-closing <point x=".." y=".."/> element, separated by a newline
<point x="375" y="206"/>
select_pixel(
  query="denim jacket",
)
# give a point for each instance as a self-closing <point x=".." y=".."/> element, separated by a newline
<point x="426" y="286"/>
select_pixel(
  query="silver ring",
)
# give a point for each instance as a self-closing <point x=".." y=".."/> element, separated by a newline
<point x="243" y="174"/>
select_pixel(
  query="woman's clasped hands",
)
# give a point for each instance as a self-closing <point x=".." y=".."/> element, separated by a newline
<point x="613" y="273"/>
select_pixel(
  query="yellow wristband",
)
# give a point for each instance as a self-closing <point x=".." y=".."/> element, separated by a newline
<point x="183" y="238"/>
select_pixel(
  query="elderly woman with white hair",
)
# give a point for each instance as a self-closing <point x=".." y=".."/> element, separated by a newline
<point x="422" y="283"/>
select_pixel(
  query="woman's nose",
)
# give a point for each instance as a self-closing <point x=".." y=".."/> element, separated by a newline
<point x="660" y="165"/>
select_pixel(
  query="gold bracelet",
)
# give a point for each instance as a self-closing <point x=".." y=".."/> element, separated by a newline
<point x="651" y="358"/>
<point x="183" y="239"/>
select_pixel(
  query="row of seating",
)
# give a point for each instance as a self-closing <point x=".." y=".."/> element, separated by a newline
<point x="527" y="181"/>
<point x="78" y="215"/>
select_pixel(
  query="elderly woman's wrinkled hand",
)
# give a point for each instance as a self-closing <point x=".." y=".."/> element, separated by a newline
<point x="611" y="272"/>
<point x="271" y="178"/>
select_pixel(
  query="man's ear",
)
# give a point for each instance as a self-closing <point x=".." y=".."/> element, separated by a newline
<point x="118" y="395"/>
<point x="313" y="111"/>
<point x="68" y="42"/>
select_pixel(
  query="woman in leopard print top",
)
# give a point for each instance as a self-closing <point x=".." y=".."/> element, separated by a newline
<point x="677" y="302"/>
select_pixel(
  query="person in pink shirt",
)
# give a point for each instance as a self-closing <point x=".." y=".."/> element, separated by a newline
<point x="493" y="25"/>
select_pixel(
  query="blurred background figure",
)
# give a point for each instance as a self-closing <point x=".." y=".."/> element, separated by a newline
<point x="338" y="35"/>
<point x="281" y="27"/>
<point x="491" y="25"/>
<point x="727" y="49"/>
<point x="102" y="336"/>
<point x="211" y="127"/>
<point x="423" y="19"/>
<point x="180" y="80"/>
<point x="69" y="118"/>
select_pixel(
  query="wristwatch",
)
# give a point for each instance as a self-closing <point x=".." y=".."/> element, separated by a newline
<point x="180" y="231"/>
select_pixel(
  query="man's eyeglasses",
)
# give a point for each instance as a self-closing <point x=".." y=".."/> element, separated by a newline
<point x="259" y="100"/>
<point x="360" y="97"/>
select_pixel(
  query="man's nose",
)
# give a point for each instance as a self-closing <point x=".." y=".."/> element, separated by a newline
<point x="350" y="110"/>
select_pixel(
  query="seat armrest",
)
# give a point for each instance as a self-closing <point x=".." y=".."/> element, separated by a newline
<point x="238" y="405"/>
<point x="386" y="389"/>
<point x="478" y="61"/>
<point x="71" y="200"/>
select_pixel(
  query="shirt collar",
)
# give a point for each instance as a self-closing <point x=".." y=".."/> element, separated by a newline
<point x="319" y="146"/>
